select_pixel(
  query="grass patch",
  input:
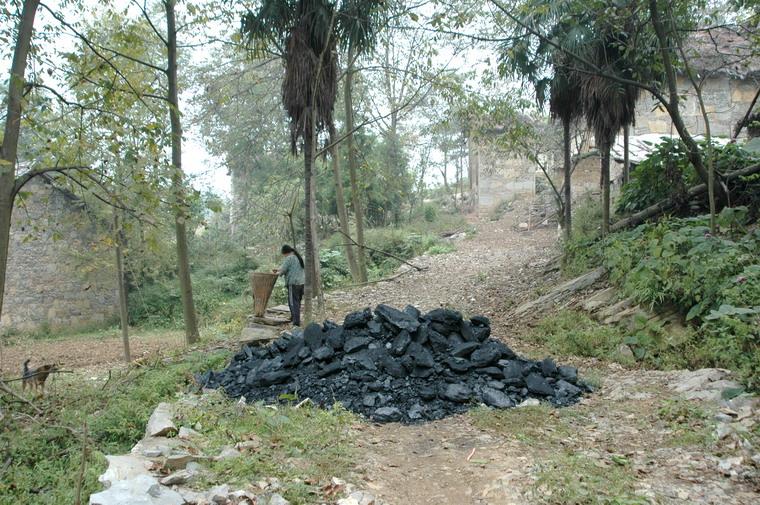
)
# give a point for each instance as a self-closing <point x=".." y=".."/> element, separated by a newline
<point x="569" y="332"/>
<point x="302" y="447"/>
<point x="575" y="479"/>
<point x="533" y="424"/>
<point x="442" y="248"/>
<point x="689" y="423"/>
<point x="45" y="451"/>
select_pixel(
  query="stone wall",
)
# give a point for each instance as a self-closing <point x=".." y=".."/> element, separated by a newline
<point x="501" y="176"/>
<point x="59" y="277"/>
<point x="726" y="101"/>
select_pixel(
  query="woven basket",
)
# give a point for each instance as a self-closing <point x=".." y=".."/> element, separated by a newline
<point x="262" y="284"/>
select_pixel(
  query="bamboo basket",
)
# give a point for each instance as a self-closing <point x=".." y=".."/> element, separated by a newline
<point x="262" y="284"/>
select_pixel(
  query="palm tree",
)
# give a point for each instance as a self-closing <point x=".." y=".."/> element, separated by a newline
<point x="564" y="104"/>
<point x="608" y="106"/>
<point x="306" y="34"/>
<point x="551" y="74"/>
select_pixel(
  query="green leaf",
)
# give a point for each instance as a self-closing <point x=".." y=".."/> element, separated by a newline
<point x="694" y="312"/>
<point x="729" y="393"/>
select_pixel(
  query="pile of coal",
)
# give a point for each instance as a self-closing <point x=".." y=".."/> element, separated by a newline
<point x="394" y="365"/>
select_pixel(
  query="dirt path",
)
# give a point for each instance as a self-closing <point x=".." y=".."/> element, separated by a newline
<point x="99" y="350"/>
<point x="620" y="445"/>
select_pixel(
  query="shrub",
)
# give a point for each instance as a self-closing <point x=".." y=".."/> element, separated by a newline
<point x="714" y="281"/>
<point x="667" y="173"/>
<point x="333" y="268"/>
<point x="430" y="212"/>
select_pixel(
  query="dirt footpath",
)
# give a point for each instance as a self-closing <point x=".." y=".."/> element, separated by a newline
<point x="621" y="445"/>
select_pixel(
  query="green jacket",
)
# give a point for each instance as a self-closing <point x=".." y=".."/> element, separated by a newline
<point x="293" y="271"/>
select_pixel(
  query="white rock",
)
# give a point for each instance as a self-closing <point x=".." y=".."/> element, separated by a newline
<point x="228" y="452"/>
<point x="178" y="461"/>
<point x="122" y="467"/>
<point x="140" y="490"/>
<point x="362" y="498"/>
<point x="530" y="402"/>
<point x="219" y="494"/>
<point x="277" y="499"/>
<point x="160" y="422"/>
<point x="177" y="478"/>
<point x="186" y="433"/>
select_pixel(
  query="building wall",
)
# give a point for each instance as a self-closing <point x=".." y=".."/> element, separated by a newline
<point x="502" y="177"/>
<point x="726" y="101"/>
<point x="58" y="277"/>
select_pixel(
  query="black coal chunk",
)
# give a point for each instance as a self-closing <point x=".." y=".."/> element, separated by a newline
<point x="538" y="385"/>
<point x="396" y="366"/>
<point x="357" y="319"/>
<point x="495" y="398"/>
<point x="323" y="353"/>
<point x="397" y="318"/>
<point x="459" y="393"/>
<point x="400" y="343"/>
<point x="464" y="350"/>
<point x="356" y="344"/>
<point x="313" y="336"/>
<point x="387" y="414"/>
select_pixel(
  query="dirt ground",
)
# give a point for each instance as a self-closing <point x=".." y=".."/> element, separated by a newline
<point x="97" y="351"/>
<point x="616" y="434"/>
<point x="615" y="441"/>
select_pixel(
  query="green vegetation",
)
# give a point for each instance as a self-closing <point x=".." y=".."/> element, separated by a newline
<point x="667" y="173"/>
<point x="45" y="451"/>
<point x="713" y="281"/>
<point x="303" y="447"/>
<point x="571" y="478"/>
<point x="572" y="333"/>
<point x="688" y="422"/>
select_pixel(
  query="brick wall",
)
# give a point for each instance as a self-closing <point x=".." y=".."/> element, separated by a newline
<point x="58" y="277"/>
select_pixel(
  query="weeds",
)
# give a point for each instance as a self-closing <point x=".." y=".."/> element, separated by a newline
<point x="43" y="451"/>
<point x="302" y="447"/>
<point x="687" y="421"/>
<point x="572" y="478"/>
<point x="573" y="333"/>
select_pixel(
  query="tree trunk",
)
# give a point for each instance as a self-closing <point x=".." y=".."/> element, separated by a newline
<point x="667" y="204"/>
<point x="123" y="313"/>
<point x="567" y="165"/>
<point x="12" y="131"/>
<point x="692" y="149"/>
<point x="605" y="153"/>
<point x="340" y="202"/>
<point x="626" y="153"/>
<point x="445" y="170"/>
<point x="180" y="218"/>
<point x="308" y="151"/>
<point x="317" y="285"/>
<point x="356" y="196"/>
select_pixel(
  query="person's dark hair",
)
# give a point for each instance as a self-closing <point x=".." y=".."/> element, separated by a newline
<point x="286" y="249"/>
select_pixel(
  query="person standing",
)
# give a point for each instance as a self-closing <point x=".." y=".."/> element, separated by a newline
<point x="292" y="269"/>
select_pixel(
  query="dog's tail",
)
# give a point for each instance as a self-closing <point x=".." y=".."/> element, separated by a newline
<point x="26" y="367"/>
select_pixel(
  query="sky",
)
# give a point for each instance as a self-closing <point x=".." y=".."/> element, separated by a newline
<point x="205" y="171"/>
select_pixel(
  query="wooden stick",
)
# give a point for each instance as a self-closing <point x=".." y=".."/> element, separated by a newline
<point x="35" y="374"/>
<point x="664" y="205"/>
<point x="7" y="390"/>
<point x="472" y="453"/>
<point x="83" y="465"/>
<point x="353" y="242"/>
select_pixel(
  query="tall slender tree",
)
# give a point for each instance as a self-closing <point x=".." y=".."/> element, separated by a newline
<point x="307" y="34"/>
<point x="185" y="283"/>
<point x="10" y="185"/>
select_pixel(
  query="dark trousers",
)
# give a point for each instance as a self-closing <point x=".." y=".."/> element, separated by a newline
<point x="295" y="295"/>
